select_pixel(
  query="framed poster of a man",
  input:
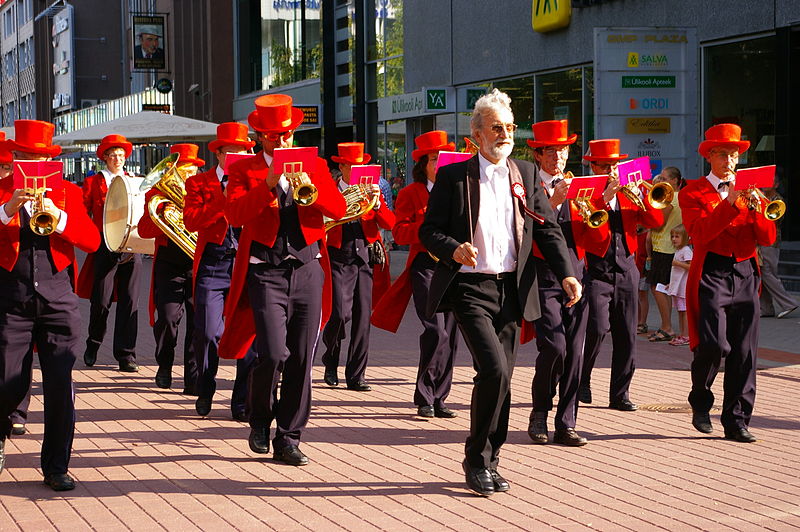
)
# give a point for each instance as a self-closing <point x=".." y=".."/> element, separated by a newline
<point x="148" y="42"/>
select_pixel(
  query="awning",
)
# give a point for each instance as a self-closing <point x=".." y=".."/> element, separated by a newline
<point x="145" y="127"/>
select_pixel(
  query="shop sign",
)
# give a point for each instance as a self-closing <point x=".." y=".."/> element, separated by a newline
<point x="158" y="107"/>
<point x="435" y="100"/>
<point x="648" y="125"/>
<point x="650" y="104"/>
<point x="636" y="60"/>
<point x="427" y="101"/>
<point x="549" y="15"/>
<point x="310" y="114"/>
<point x="472" y="97"/>
<point x="648" y="82"/>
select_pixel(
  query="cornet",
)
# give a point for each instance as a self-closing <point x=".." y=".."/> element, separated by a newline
<point x="757" y="201"/>
<point x="591" y="217"/>
<point x="304" y="192"/>
<point x="43" y="222"/>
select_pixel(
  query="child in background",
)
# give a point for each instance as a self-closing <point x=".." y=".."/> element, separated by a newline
<point x="677" y="279"/>
<point x="643" y="264"/>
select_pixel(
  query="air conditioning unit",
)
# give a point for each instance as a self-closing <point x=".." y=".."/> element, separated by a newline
<point x="86" y="102"/>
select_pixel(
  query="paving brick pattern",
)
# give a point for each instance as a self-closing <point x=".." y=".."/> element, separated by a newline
<point x="144" y="460"/>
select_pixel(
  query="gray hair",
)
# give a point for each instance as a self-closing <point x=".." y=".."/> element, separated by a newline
<point x="493" y="100"/>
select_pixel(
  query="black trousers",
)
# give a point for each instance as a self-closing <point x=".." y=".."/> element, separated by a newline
<point x="560" y="334"/>
<point x="287" y="308"/>
<point x="173" y="296"/>
<point x="53" y="327"/>
<point x="211" y="288"/>
<point x="487" y="311"/>
<point x="437" y="343"/>
<point x="727" y="328"/>
<point x="20" y="414"/>
<point x="613" y="306"/>
<point x="108" y="271"/>
<point x="351" y="302"/>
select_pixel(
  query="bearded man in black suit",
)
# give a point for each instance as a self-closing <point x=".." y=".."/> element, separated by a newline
<point x="483" y="215"/>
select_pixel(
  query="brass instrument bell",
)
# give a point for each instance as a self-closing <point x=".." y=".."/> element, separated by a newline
<point x="660" y="195"/>
<point x="757" y="201"/>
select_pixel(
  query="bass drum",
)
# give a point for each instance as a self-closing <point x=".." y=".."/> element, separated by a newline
<point x="124" y="206"/>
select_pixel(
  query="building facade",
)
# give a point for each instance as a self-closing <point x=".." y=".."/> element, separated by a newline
<point x="655" y="73"/>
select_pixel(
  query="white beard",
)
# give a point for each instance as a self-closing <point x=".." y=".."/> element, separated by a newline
<point x="501" y="151"/>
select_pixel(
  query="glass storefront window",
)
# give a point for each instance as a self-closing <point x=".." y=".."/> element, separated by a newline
<point x="740" y="89"/>
<point x="385" y="55"/>
<point x="559" y="96"/>
<point x="521" y="92"/>
<point x="392" y="153"/>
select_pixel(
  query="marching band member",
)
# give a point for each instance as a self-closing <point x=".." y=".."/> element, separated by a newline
<point x="39" y="306"/>
<point x="561" y="330"/>
<point x="352" y="278"/>
<point x="280" y="290"/>
<point x="722" y="287"/>
<point x="438" y="341"/>
<point x="213" y="263"/>
<point x="612" y="278"/>
<point x="483" y="215"/>
<point x="104" y="273"/>
<point x="171" y="287"/>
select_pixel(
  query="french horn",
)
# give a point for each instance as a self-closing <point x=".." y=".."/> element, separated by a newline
<point x="360" y="199"/>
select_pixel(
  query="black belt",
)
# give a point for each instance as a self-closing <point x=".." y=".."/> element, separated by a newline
<point x="487" y="276"/>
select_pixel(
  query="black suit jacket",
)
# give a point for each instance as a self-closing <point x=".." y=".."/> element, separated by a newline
<point x="446" y="227"/>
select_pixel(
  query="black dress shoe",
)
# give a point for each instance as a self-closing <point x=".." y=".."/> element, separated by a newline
<point x="443" y="411"/>
<point x="740" y="434"/>
<point x="585" y="395"/>
<point x="90" y="356"/>
<point x="500" y="484"/>
<point x="624" y="405"/>
<point x="292" y="455"/>
<point x="537" y="428"/>
<point x="163" y="378"/>
<point x="479" y="480"/>
<point x="331" y="377"/>
<point x="203" y="406"/>
<point x="702" y="422"/>
<point x="18" y="429"/>
<point x="359" y="386"/>
<point x="425" y="411"/>
<point x="128" y="366"/>
<point x="241" y="415"/>
<point x="259" y="441"/>
<point x="2" y="454"/>
<point x="60" y="482"/>
<point x="569" y="437"/>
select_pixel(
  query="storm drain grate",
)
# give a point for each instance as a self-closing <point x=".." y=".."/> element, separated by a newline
<point x="671" y="408"/>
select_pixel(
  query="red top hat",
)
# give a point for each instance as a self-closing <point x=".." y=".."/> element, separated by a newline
<point x="114" y="141"/>
<point x="723" y="135"/>
<point x="231" y="134"/>
<point x="188" y="154"/>
<point x="6" y="157"/>
<point x="604" y="150"/>
<point x="34" y="136"/>
<point x="431" y="142"/>
<point x="351" y="153"/>
<point x="274" y="113"/>
<point x="551" y="133"/>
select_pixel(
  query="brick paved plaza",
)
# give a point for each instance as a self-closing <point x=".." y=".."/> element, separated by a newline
<point x="144" y="460"/>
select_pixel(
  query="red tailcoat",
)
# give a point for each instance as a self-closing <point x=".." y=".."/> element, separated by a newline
<point x="204" y="212"/>
<point x="714" y="225"/>
<point x="94" y="199"/>
<point x="147" y="229"/>
<point x="409" y="211"/>
<point x="253" y="206"/>
<point x="79" y="231"/>
<point x="371" y="223"/>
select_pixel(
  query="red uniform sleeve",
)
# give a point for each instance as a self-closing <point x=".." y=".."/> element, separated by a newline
<point x="87" y="194"/>
<point x="384" y="217"/>
<point x="704" y="226"/>
<point x="765" y="230"/>
<point x="147" y="229"/>
<point x="407" y="219"/>
<point x="330" y="201"/>
<point x="197" y="213"/>
<point x="248" y="195"/>
<point x="650" y="217"/>
<point x="80" y="231"/>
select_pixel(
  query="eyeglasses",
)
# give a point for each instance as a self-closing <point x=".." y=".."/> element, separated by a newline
<point x="552" y="150"/>
<point x="508" y="128"/>
<point x="282" y="135"/>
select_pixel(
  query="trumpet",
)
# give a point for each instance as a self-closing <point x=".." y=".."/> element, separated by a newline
<point x="42" y="221"/>
<point x="592" y="218"/>
<point x="304" y="192"/>
<point x="631" y="191"/>
<point x="757" y="201"/>
<point x="660" y="195"/>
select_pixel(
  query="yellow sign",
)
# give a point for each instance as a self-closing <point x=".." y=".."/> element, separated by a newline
<point x="633" y="60"/>
<point x="549" y="15"/>
<point x="645" y="125"/>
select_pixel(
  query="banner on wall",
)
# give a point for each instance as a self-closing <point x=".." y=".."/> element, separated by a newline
<point x="149" y="42"/>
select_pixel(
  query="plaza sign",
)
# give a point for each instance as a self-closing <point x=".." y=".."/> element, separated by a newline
<point x="549" y="15"/>
<point x="427" y="101"/>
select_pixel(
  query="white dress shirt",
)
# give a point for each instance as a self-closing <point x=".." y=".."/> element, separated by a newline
<point x="547" y="181"/>
<point x="494" y="233"/>
<point x="715" y="181"/>
<point x="429" y="184"/>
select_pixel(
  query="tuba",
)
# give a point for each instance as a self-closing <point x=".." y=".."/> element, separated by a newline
<point x="166" y="208"/>
<point x="359" y="199"/>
